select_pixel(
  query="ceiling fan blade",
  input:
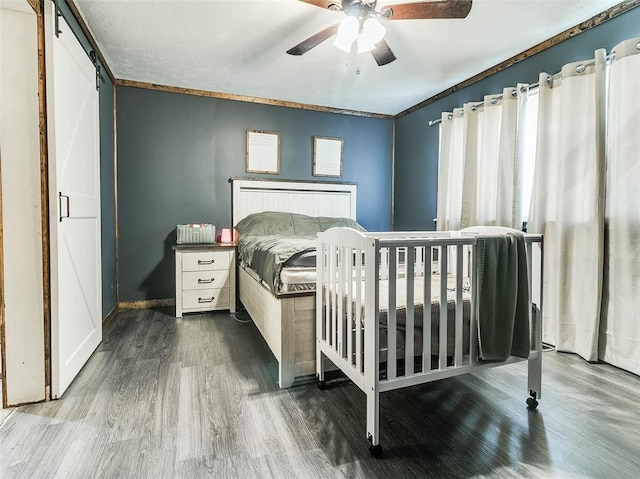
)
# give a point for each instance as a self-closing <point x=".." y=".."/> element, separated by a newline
<point x="382" y="53"/>
<point x="330" y="4"/>
<point x="424" y="10"/>
<point x="314" y="40"/>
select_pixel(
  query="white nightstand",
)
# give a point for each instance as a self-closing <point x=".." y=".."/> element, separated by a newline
<point x="205" y="277"/>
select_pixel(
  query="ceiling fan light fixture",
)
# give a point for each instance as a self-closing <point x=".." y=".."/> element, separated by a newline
<point x="372" y="33"/>
<point x="347" y="33"/>
<point x="361" y="31"/>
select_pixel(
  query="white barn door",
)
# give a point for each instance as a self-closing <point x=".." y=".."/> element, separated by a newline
<point x="74" y="182"/>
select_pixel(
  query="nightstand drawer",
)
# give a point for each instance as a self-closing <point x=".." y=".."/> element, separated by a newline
<point x="212" y="279"/>
<point x="205" y="261"/>
<point x="205" y="299"/>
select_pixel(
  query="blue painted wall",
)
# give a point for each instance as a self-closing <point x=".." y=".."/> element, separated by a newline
<point x="416" y="154"/>
<point x="107" y="190"/>
<point x="177" y="152"/>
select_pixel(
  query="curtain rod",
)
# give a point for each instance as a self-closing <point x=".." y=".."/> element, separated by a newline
<point x="475" y="105"/>
<point x="580" y="68"/>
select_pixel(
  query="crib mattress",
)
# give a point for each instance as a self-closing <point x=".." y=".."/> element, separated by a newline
<point x="418" y="316"/>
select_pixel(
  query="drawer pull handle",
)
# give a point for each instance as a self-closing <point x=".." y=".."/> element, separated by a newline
<point x="202" y="261"/>
<point x="205" y="281"/>
<point x="206" y="300"/>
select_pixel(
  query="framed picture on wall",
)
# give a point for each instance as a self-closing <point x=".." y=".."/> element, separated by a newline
<point x="263" y="152"/>
<point x="327" y="156"/>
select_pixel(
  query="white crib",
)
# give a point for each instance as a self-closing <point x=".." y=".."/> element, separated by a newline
<point x="365" y="277"/>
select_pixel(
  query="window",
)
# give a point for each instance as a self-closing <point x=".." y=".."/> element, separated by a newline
<point x="528" y="151"/>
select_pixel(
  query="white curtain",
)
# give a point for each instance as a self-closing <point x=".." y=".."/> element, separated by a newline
<point x="498" y="201"/>
<point x="592" y="255"/>
<point x="450" y="170"/>
<point x="568" y="202"/>
<point x="478" y="174"/>
<point x="620" y="325"/>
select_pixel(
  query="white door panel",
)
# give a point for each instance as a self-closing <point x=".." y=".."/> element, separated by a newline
<point x="79" y="322"/>
<point x="74" y="173"/>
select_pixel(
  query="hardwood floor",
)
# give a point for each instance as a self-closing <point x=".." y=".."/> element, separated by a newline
<point x="4" y="414"/>
<point x="197" y="397"/>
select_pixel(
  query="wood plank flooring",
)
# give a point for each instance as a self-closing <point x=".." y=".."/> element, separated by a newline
<point x="197" y="397"/>
<point x="4" y="414"/>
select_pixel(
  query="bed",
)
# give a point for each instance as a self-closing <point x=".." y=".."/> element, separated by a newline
<point x="374" y="290"/>
<point x="285" y="316"/>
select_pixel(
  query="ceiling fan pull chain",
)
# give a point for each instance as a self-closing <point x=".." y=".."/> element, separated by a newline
<point x="356" y="59"/>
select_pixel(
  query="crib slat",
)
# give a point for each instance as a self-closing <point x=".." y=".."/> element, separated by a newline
<point x="325" y="291"/>
<point x="473" y="313"/>
<point x="420" y="261"/>
<point x="358" y="319"/>
<point x="426" y="312"/>
<point x="340" y="320"/>
<point x="320" y="297"/>
<point x="391" y="316"/>
<point x="384" y="264"/>
<point x="444" y="268"/>
<point x="529" y="268"/>
<point x="348" y="263"/>
<point x="409" y="335"/>
<point x="332" y="296"/>
<point x="320" y="292"/>
<point x="337" y="304"/>
<point x="459" y="304"/>
<point x="529" y="247"/>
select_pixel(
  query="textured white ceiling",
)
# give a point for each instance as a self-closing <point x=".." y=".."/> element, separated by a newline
<point x="239" y="46"/>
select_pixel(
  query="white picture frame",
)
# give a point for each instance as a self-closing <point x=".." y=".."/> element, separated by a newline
<point x="327" y="156"/>
<point x="263" y="152"/>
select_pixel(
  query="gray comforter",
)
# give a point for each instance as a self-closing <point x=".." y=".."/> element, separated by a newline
<point x="268" y="239"/>
<point x="266" y="254"/>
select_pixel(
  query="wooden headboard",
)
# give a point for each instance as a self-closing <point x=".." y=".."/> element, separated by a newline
<point x="305" y="197"/>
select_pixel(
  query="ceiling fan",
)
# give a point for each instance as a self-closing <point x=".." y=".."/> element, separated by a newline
<point x="361" y="31"/>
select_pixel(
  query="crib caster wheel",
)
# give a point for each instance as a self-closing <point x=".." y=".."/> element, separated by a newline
<point x="322" y="385"/>
<point x="376" y="451"/>
<point x="532" y="402"/>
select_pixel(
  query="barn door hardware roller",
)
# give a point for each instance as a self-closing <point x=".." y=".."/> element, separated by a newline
<point x="96" y="64"/>
<point x="57" y="17"/>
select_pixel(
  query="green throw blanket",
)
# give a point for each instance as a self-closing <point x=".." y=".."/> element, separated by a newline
<point x="503" y="297"/>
